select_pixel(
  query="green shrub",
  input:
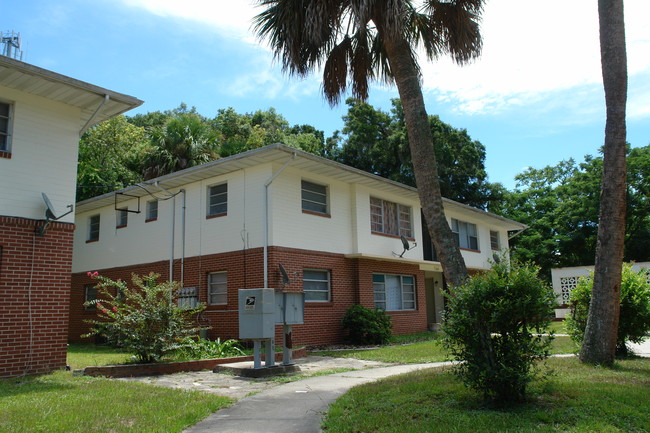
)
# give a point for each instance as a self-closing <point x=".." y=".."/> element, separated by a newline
<point x="367" y="326"/>
<point x="634" y="321"/>
<point x="493" y="326"/>
<point x="200" y="348"/>
<point x="144" y="320"/>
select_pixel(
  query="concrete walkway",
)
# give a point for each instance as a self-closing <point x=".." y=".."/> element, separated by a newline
<point x="299" y="407"/>
<point x="296" y="407"/>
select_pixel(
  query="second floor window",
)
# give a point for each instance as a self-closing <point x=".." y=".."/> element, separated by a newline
<point x="314" y="197"/>
<point x="465" y="234"/>
<point x="152" y="210"/>
<point x="93" y="228"/>
<point x="390" y="218"/>
<point x="5" y="127"/>
<point x="494" y="240"/>
<point x="218" y="200"/>
<point x="122" y="218"/>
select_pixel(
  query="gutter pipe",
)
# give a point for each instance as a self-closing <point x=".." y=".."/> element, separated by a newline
<point x="266" y="218"/>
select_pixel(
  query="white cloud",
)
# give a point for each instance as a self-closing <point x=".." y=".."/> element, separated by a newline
<point x="531" y="48"/>
<point x="230" y="18"/>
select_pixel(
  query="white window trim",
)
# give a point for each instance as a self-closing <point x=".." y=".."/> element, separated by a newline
<point x="329" y="285"/>
<point x="498" y="240"/>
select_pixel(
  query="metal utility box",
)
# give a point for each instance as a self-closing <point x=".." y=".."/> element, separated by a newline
<point x="257" y="313"/>
<point x="289" y="308"/>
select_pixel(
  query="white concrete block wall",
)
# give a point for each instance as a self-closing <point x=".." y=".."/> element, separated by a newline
<point x="45" y="139"/>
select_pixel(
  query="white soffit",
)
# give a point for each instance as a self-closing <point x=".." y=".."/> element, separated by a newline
<point x="41" y="82"/>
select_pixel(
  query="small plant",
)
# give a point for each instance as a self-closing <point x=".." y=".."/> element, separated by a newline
<point x="634" y="321"/>
<point x="493" y="326"/>
<point x="200" y="348"/>
<point x="367" y="326"/>
<point x="145" y="320"/>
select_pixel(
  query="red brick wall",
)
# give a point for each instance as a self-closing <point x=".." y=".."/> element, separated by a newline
<point x="34" y="296"/>
<point x="351" y="283"/>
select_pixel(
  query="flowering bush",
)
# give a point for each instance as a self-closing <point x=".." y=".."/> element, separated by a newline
<point x="145" y="320"/>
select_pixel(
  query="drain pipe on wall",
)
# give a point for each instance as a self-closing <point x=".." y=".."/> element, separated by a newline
<point x="183" y="240"/>
<point x="266" y="218"/>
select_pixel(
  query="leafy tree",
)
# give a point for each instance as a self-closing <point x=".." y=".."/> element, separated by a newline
<point x="634" y="322"/>
<point x="494" y="326"/>
<point x="377" y="40"/>
<point x="377" y="142"/>
<point x="560" y="205"/>
<point x="184" y="141"/>
<point x="108" y="157"/>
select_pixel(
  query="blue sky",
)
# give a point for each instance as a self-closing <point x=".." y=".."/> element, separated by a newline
<point x="533" y="98"/>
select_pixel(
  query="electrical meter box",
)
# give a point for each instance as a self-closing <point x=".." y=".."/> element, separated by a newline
<point x="289" y="308"/>
<point x="257" y="313"/>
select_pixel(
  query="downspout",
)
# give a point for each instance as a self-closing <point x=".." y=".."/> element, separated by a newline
<point x="183" y="241"/>
<point x="92" y="118"/>
<point x="266" y="219"/>
<point x="171" y="250"/>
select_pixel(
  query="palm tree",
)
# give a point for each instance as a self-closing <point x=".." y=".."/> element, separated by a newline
<point x="183" y="141"/>
<point x="364" y="40"/>
<point x="599" y="344"/>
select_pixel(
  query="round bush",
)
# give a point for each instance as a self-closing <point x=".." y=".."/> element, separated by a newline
<point x="367" y="326"/>
<point x="493" y="326"/>
<point x="634" y="321"/>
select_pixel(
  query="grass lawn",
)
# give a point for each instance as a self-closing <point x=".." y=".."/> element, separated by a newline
<point x="577" y="398"/>
<point x="61" y="402"/>
<point x="82" y="355"/>
<point x="425" y="351"/>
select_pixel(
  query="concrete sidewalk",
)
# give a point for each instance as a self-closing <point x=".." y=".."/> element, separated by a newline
<point x="296" y="407"/>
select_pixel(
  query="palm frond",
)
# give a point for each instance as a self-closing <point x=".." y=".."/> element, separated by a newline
<point x="335" y="73"/>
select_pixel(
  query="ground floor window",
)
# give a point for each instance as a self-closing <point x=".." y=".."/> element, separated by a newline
<point x="394" y="292"/>
<point x="218" y="288"/>
<point x="316" y="284"/>
<point x="90" y="295"/>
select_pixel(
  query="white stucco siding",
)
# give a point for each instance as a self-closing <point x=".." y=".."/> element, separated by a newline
<point x="145" y="242"/>
<point x="477" y="259"/>
<point x="44" y="145"/>
<point x="384" y="245"/>
<point x="291" y="227"/>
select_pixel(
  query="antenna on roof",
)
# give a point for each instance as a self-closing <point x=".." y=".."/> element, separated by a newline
<point x="11" y="45"/>
<point x="406" y="245"/>
<point x="50" y="215"/>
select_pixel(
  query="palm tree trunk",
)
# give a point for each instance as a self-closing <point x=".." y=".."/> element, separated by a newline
<point x="425" y="166"/>
<point x="599" y="345"/>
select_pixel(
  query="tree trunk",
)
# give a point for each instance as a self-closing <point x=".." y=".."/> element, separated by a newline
<point x="599" y="345"/>
<point x="425" y="166"/>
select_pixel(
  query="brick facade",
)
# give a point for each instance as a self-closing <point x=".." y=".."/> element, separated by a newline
<point x="351" y="283"/>
<point x="34" y="295"/>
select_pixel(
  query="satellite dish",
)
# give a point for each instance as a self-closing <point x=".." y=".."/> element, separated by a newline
<point x="285" y="276"/>
<point x="50" y="214"/>
<point x="406" y="245"/>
